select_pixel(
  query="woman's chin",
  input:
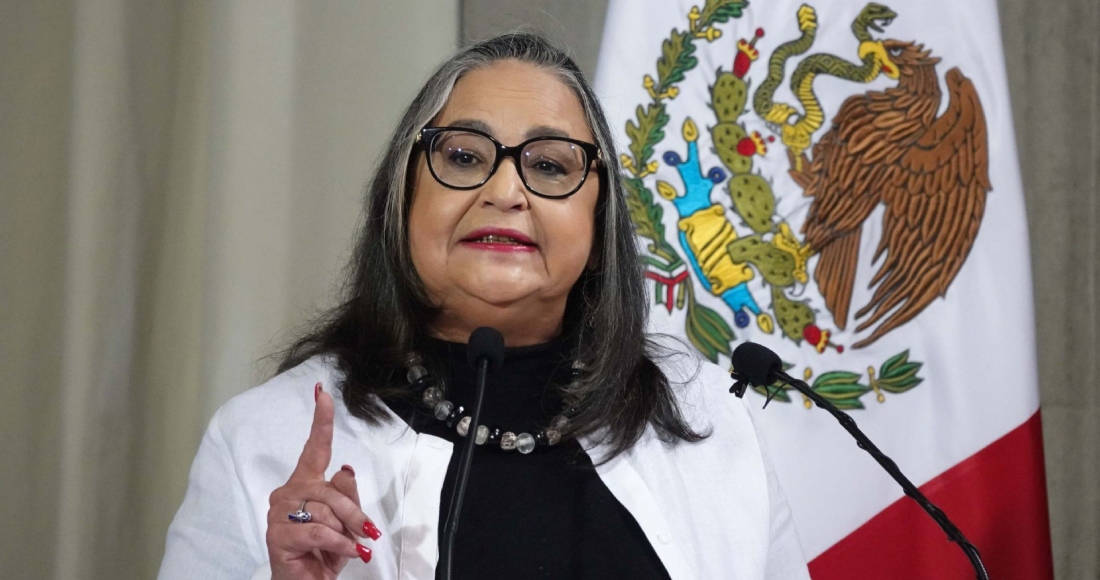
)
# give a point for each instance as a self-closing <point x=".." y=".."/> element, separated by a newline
<point x="502" y="296"/>
<point x="500" y="283"/>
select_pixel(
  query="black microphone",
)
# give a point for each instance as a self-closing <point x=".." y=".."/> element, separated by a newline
<point x="485" y="349"/>
<point x="758" y="365"/>
<point x="485" y="343"/>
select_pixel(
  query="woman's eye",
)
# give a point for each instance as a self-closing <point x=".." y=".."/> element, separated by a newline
<point x="547" y="167"/>
<point x="464" y="158"/>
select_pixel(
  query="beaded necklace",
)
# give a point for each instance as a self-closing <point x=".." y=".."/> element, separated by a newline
<point x="420" y="380"/>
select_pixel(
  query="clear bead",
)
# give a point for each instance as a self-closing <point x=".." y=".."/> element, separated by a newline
<point x="443" y="409"/>
<point x="525" y="443"/>
<point x="508" y="441"/>
<point x="464" y="426"/>
<point x="482" y="435"/>
<point x="432" y="396"/>
<point x="413" y="359"/>
<point x="415" y="372"/>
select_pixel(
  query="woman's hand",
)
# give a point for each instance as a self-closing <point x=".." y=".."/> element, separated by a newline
<point x="321" y="547"/>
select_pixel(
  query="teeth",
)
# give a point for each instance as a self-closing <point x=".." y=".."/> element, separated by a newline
<point x="497" y="240"/>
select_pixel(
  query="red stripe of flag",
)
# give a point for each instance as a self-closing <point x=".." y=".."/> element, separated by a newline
<point x="997" y="497"/>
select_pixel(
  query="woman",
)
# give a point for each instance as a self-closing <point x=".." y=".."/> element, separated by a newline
<point x="498" y="203"/>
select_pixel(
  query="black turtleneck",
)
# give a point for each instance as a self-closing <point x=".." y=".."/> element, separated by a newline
<point x="542" y="515"/>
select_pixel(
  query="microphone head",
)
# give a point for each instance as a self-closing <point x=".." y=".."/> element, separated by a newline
<point x="485" y="342"/>
<point x="755" y="363"/>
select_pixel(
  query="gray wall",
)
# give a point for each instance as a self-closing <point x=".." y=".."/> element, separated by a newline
<point x="576" y="25"/>
<point x="1053" y="56"/>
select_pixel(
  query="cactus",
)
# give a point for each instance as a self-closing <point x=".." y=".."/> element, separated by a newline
<point x="774" y="265"/>
<point x="793" y="316"/>
<point x="753" y="200"/>
<point x="728" y="96"/>
<point x="726" y="136"/>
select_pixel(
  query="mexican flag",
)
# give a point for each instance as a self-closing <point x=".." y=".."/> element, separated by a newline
<point x="838" y="182"/>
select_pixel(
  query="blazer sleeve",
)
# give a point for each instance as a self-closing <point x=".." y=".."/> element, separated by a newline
<point x="214" y="535"/>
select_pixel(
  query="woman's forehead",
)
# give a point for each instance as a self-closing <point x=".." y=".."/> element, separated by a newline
<point x="514" y="101"/>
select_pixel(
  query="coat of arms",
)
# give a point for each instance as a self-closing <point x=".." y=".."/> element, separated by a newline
<point x="889" y="148"/>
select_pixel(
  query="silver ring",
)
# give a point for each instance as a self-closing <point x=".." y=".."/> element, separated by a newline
<point x="301" y="516"/>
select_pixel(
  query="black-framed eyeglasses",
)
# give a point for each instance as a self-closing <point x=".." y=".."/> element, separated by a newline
<point x="462" y="158"/>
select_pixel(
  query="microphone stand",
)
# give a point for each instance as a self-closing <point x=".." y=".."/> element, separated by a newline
<point x="463" y="475"/>
<point x="849" y="424"/>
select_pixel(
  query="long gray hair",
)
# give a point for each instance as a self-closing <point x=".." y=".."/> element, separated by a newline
<point x="386" y="312"/>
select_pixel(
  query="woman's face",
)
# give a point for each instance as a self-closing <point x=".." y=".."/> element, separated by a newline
<point x="520" y="289"/>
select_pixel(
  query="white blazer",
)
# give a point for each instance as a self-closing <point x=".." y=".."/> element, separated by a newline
<point x="710" y="510"/>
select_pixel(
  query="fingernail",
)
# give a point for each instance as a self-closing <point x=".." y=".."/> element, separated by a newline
<point x="316" y="392"/>
<point x="348" y="469"/>
<point x="371" y="530"/>
<point x="364" y="553"/>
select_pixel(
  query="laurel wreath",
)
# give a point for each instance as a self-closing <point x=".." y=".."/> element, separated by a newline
<point x="843" y="389"/>
<point x="705" y="328"/>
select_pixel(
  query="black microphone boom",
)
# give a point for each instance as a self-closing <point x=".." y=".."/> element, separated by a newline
<point x="758" y="365"/>
<point x="485" y="349"/>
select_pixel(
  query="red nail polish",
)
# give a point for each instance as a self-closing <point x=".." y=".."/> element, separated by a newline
<point x="348" y="469"/>
<point x="371" y="530"/>
<point x="364" y="553"/>
<point x="316" y="392"/>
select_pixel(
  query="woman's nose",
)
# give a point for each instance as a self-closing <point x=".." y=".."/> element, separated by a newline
<point x="505" y="189"/>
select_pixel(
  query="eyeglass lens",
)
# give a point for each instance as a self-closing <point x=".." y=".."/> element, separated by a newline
<point x="549" y="166"/>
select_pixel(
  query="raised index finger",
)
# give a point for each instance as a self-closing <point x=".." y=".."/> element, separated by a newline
<point x="318" y="450"/>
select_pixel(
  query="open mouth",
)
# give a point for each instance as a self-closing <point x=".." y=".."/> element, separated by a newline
<point x="874" y="25"/>
<point x="500" y="239"/>
<point x="493" y="239"/>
